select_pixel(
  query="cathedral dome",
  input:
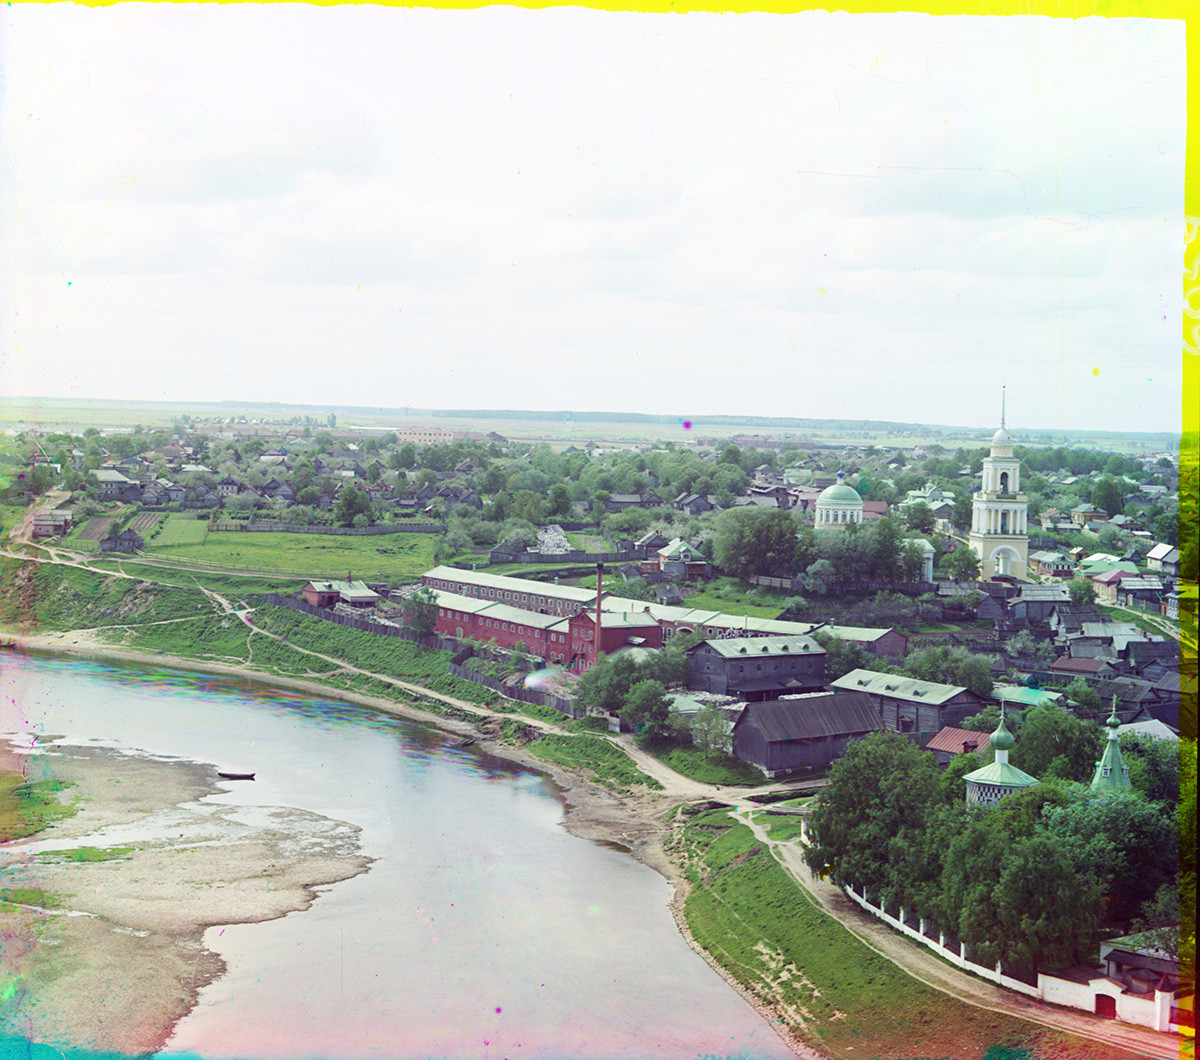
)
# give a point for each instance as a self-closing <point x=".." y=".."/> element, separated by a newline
<point x="840" y="492"/>
<point x="1001" y="437"/>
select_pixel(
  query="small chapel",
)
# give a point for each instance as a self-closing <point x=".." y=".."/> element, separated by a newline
<point x="989" y="784"/>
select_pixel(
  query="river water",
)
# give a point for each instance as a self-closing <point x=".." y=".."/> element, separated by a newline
<point x="482" y="929"/>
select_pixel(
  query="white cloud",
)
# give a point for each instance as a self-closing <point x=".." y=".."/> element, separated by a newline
<point x="813" y="214"/>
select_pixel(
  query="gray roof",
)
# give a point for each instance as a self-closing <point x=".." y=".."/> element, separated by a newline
<point x="895" y="686"/>
<point x="813" y="717"/>
<point x="758" y="647"/>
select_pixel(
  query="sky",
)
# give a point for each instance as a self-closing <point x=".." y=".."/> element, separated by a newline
<point x="814" y="214"/>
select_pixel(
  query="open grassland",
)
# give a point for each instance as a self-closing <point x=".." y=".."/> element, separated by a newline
<point x="735" y="597"/>
<point x="237" y="587"/>
<point x="10" y="515"/>
<point x="44" y="596"/>
<point x="832" y="990"/>
<point x="704" y="764"/>
<point x="391" y="656"/>
<point x="381" y="555"/>
<point x="180" y="529"/>
<point x="607" y="763"/>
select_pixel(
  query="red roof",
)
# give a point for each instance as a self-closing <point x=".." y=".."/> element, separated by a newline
<point x="1083" y="666"/>
<point x="952" y="740"/>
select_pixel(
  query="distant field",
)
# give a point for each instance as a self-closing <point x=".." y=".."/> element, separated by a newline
<point x="567" y="428"/>
<point x="180" y="530"/>
<point x="383" y="555"/>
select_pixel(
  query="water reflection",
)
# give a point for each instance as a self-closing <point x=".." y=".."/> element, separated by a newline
<point x="482" y="929"/>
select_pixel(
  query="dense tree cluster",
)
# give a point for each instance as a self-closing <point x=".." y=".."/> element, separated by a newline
<point x="1029" y="882"/>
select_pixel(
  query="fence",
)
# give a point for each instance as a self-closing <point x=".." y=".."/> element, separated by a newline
<point x="916" y="928"/>
<point x="796" y="585"/>
<point x="517" y="692"/>
<point x="461" y="653"/>
<point x="274" y="526"/>
<point x="574" y="556"/>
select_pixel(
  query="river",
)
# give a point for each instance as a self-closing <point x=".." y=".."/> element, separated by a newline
<point x="482" y="928"/>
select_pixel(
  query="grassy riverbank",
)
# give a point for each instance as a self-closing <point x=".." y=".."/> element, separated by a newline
<point x="607" y="764"/>
<point x="833" y="991"/>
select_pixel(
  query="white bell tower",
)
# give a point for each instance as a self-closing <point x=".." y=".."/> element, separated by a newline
<point x="999" y="513"/>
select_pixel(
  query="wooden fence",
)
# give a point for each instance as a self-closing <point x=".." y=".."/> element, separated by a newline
<point x="454" y="666"/>
<point x="796" y="585"/>
<point x="274" y="526"/>
<point x="517" y="692"/>
<point x="573" y="556"/>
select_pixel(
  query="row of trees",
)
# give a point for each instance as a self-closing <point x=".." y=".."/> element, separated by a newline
<point x="1028" y="882"/>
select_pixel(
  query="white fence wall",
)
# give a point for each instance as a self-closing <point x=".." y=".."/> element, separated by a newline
<point x="1152" y="1010"/>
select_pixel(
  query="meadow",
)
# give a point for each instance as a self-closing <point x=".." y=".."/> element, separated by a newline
<point x="385" y="556"/>
<point x="831" y="989"/>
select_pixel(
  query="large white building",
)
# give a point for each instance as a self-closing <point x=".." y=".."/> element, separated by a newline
<point x="999" y="514"/>
<point x="838" y="506"/>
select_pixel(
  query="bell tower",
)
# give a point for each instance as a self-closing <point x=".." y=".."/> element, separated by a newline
<point x="999" y="512"/>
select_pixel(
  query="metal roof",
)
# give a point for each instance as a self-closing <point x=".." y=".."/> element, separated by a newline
<point x="897" y="687"/>
<point x="759" y="647"/>
<point x="813" y="717"/>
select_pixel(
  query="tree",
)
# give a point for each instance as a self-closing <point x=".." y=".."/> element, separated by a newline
<point x="351" y="503"/>
<point x="711" y="728"/>
<point x="1153" y="767"/>
<point x="1055" y="743"/>
<point x="1127" y="844"/>
<point x="419" y="611"/>
<point x="646" y="708"/>
<point x="874" y="812"/>
<point x="1082" y="591"/>
<point x="919" y="516"/>
<point x="1107" y="495"/>
<point x="756" y="541"/>
<point x="842" y="656"/>
<point x="559" y="501"/>
<point x="1085" y="699"/>
<point x="962" y="564"/>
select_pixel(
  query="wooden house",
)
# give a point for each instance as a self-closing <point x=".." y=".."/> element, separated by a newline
<point x="756" y="668"/>
<point x="802" y="732"/>
<point x="908" y="705"/>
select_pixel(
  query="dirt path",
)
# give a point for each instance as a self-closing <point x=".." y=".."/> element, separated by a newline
<point x="927" y="968"/>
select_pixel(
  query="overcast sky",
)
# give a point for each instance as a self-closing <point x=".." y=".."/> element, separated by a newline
<point x="799" y="215"/>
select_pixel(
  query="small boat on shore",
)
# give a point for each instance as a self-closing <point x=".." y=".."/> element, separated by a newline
<point x="235" y="776"/>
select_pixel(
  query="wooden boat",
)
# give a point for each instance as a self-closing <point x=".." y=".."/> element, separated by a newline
<point x="235" y="776"/>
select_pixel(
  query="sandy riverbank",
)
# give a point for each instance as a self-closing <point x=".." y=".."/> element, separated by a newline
<point x="637" y="824"/>
<point x="115" y="956"/>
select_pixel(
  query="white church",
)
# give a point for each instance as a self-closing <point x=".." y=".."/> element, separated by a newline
<point x="999" y="514"/>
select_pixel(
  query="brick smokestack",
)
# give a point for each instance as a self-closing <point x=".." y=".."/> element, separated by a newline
<point x="599" y="593"/>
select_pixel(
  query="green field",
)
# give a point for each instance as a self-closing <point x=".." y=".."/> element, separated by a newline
<point x="314" y="555"/>
<point x="831" y="989"/>
<point x="735" y="597"/>
<point x="705" y="765"/>
<point x="9" y="517"/>
<point x="608" y="764"/>
<point x="179" y="529"/>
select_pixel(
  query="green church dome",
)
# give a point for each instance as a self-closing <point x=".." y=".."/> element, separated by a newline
<point x="840" y="492"/>
<point x="1002" y="739"/>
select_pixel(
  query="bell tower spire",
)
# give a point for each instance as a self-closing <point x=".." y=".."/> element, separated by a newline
<point x="1002" y="395"/>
